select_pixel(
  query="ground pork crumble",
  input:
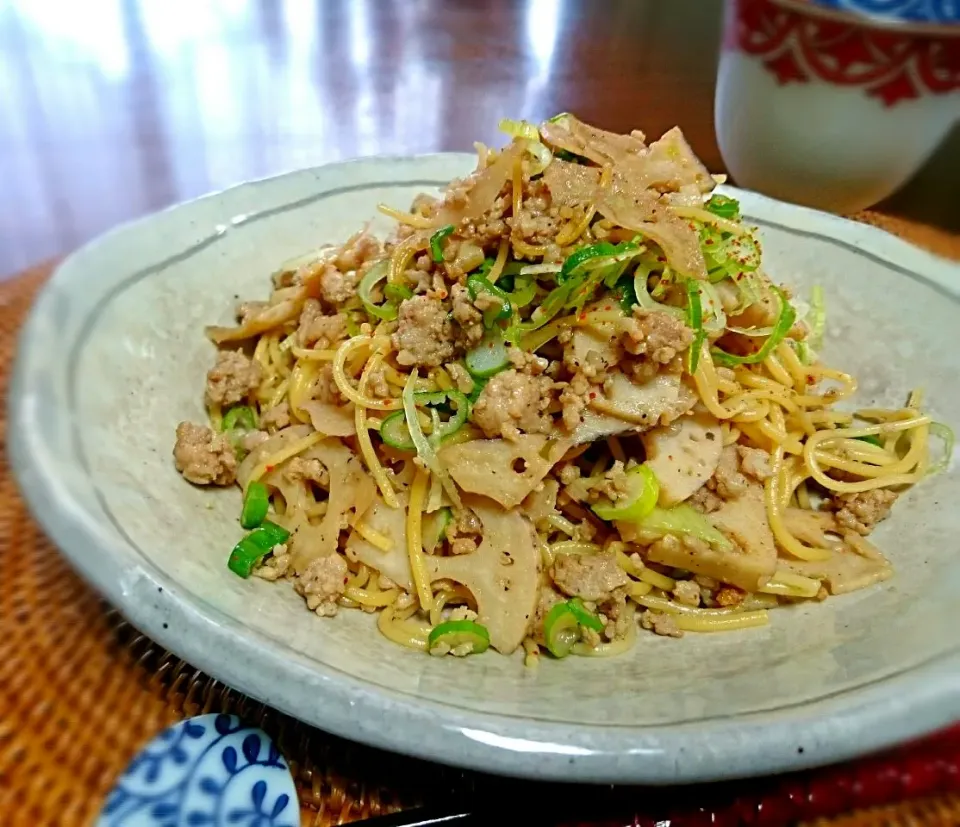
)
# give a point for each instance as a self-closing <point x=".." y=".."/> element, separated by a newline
<point x="203" y="456"/>
<point x="861" y="512"/>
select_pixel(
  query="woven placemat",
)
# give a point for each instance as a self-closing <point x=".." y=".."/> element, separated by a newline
<point x="81" y="691"/>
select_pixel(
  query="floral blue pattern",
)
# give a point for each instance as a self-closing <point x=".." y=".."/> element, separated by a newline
<point x="913" y="11"/>
<point x="210" y="771"/>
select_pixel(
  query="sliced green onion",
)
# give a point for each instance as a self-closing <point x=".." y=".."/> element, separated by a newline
<point x="643" y="491"/>
<point x="461" y="410"/>
<point x="387" y="311"/>
<point x="270" y="534"/>
<point x="944" y="432"/>
<point x="542" y="156"/>
<point x="646" y="300"/>
<point x="539" y="269"/>
<point x="524" y="290"/>
<point x="728" y="256"/>
<point x="818" y="316"/>
<point x="245" y="556"/>
<point x="724" y="207"/>
<point x="456" y="633"/>
<point x="478" y="385"/>
<point x="256" y="503"/>
<point x="666" y="281"/>
<point x="435" y="527"/>
<point x="394" y="432"/>
<point x="430" y="397"/>
<point x="750" y="287"/>
<point x="683" y="519"/>
<point x="520" y="129"/>
<point x="626" y="294"/>
<point x="561" y="629"/>
<point x="744" y="252"/>
<point x="397" y="293"/>
<point x="574" y="285"/>
<point x="805" y="353"/>
<point x="353" y="329"/>
<point x="873" y="440"/>
<point x="695" y="322"/>
<point x="423" y="447"/>
<point x="436" y="252"/>
<point x="576" y="260"/>
<point x="714" y="319"/>
<point x="781" y="328"/>
<point x="255" y="546"/>
<point x="585" y="617"/>
<point x="481" y="284"/>
<point x="488" y="357"/>
<point x="240" y="418"/>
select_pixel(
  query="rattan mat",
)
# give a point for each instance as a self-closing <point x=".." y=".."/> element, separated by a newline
<point x="81" y="691"/>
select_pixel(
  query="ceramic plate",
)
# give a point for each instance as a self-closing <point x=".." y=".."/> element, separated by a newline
<point x="114" y="356"/>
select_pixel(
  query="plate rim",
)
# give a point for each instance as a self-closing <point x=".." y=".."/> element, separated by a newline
<point x="837" y="727"/>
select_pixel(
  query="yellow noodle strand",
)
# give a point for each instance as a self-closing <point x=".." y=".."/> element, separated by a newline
<point x="346" y="388"/>
<point x="418" y="565"/>
<point x="366" y="444"/>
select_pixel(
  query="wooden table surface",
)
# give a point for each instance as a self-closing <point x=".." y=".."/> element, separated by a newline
<point x="110" y="109"/>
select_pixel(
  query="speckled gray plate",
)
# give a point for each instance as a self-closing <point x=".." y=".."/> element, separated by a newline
<point x="114" y="356"/>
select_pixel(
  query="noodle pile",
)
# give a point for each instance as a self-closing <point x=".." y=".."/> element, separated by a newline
<point x="563" y="402"/>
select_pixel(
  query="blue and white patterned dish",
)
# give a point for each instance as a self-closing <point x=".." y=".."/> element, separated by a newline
<point x="209" y="771"/>
<point x="942" y="12"/>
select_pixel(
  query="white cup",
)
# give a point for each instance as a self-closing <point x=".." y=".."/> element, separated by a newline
<point x="831" y="108"/>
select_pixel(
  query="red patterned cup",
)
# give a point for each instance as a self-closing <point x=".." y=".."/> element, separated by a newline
<point x="831" y="107"/>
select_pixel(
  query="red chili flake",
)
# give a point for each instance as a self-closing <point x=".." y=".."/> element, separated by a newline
<point x="661" y="258"/>
<point x="583" y="315"/>
<point x="593" y="395"/>
<point x="708" y="242"/>
<point x="608" y="307"/>
<point x="269" y="468"/>
<point x="346" y="580"/>
<point x="811" y="380"/>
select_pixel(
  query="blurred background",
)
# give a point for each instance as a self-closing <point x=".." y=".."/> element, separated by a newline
<point x="110" y="109"/>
